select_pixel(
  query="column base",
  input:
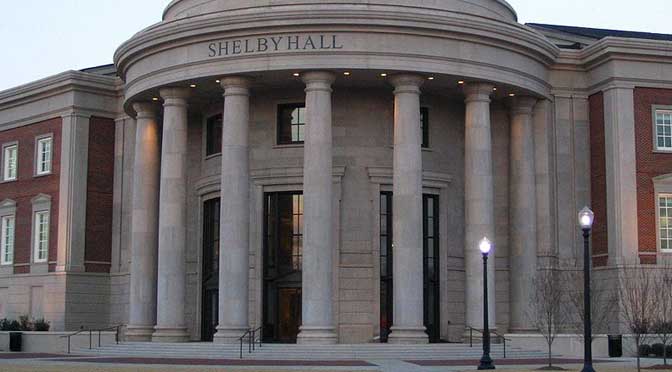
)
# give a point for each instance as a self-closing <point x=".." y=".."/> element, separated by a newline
<point x="173" y="335"/>
<point x="228" y="335"/>
<point x="317" y="336"/>
<point x="139" y="333"/>
<point x="408" y="335"/>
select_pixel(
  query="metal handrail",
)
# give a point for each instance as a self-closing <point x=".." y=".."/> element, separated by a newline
<point x="502" y="338"/>
<point x="91" y="331"/>
<point x="251" y="340"/>
<point x="241" y="338"/>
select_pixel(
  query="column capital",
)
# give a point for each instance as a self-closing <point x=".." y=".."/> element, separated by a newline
<point x="523" y="105"/>
<point x="236" y="85"/>
<point x="173" y="93"/>
<point x="145" y="110"/>
<point x="407" y="83"/>
<point x="478" y="92"/>
<point x="318" y="80"/>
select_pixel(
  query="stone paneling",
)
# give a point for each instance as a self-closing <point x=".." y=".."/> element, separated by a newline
<point x="598" y="180"/>
<point x="99" y="200"/>
<point x="29" y="186"/>
<point x="650" y="164"/>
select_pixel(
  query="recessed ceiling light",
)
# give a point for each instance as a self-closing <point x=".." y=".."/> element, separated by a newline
<point x="296" y="74"/>
<point x="193" y="85"/>
<point x="218" y="81"/>
<point x="430" y="78"/>
<point x="347" y="73"/>
<point x="512" y="94"/>
<point x="383" y="75"/>
<point x="460" y="82"/>
<point x="494" y="89"/>
<point x="155" y="99"/>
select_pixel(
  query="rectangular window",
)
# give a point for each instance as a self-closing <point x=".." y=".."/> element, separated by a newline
<point x="10" y="163"/>
<point x="424" y="124"/>
<point x="7" y="226"/>
<point x="665" y="221"/>
<point x="214" y="136"/>
<point x="41" y="238"/>
<point x="291" y="124"/>
<point x="44" y="154"/>
<point x="663" y="130"/>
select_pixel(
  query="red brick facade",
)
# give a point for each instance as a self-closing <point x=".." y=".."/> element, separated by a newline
<point x="649" y="165"/>
<point x="598" y="180"/>
<point x="98" y="252"/>
<point x="28" y="186"/>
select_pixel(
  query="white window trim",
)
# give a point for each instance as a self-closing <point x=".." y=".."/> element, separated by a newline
<point x="38" y="140"/>
<point x="3" y="238"/>
<point x="654" y="112"/>
<point x="36" y="236"/>
<point x="41" y="203"/>
<point x="658" y="227"/>
<point x="3" y="160"/>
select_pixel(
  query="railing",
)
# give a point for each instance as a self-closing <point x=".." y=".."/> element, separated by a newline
<point x="100" y="331"/>
<point x="499" y="336"/>
<point x="251" y="335"/>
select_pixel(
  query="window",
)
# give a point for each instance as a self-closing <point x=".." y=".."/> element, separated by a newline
<point x="663" y="130"/>
<point x="291" y="124"/>
<point x="41" y="238"/>
<point x="7" y="226"/>
<point x="10" y="162"/>
<point x="44" y="153"/>
<point x="214" y="136"/>
<point x="424" y="124"/>
<point x="665" y="221"/>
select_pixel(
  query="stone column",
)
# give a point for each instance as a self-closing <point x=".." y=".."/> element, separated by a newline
<point x="522" y="213"/>
<point x="478" y="203"/>
<point x="170" y="325"/>
<point x="144" y="224"/>
<point x="407" y="269"/>
<point x="235" y="212"/>
<point x="318" y="241"/>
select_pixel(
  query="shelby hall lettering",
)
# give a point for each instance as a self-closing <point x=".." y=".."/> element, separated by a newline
<point x="273" y="44"/>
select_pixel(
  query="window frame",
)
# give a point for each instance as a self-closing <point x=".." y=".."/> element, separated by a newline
<point x="208" y="136"/>
<point x="279" y="123"/>
<point x="656" y="109"/>
<point x="38" y="140"/>
<point x="3" y="238"/>
<point x="424" y="125"/>
<point x="3" y="165"/>
<point x="36" y="236"/>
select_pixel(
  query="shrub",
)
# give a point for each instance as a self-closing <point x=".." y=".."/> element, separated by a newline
<point x="26" y="324"/>
<point x="658" y="350"/>
<point x="669" y="351"/>
<point x="644" y="351"/>
<point x="41" y="325"/>
<point x="9" y="325"/>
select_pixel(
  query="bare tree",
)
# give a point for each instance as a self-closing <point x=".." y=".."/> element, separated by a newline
<point x="663" y="321"/>
<point x="639" y="299"/>
<point x="545" y="311"/>
<point x="603" y="302"/>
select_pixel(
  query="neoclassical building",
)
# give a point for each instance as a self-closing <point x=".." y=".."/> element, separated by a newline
<point x="326" y="169"/>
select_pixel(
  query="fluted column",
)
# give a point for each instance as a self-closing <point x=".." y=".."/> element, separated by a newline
<point x="407" y="269"/>
<point x="145" y="224"/>
<point x="317" y="309"/>
<point x="479" y="202"/>
<point x="235" y="212"/>
<point x="522" y="214"/>
<point x="171" y="325"/>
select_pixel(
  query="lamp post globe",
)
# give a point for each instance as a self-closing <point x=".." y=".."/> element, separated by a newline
<point x="586" y="219"/>
<point x="486" y="362"/>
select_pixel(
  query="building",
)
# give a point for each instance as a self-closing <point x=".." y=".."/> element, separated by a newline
<point x="347" y="157"/>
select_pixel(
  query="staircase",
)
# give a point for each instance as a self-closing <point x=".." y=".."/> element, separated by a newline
<point x="305" y="352"/>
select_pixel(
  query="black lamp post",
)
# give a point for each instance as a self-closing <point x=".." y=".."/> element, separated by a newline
<point x="586" y="218"/>
<point x="486" y="360"/>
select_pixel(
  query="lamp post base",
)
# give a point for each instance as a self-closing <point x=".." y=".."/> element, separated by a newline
<point x="588" y="368"/>
<point x="486" y="363"/>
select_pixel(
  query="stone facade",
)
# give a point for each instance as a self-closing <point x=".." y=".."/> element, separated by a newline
<point x="521" y="132"/>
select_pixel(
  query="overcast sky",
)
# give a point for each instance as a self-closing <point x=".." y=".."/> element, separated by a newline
<point x="39" y="38"/>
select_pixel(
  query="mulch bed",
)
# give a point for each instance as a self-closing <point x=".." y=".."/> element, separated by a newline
<point x="222" y="362"/>
<point x="504" y="362"/>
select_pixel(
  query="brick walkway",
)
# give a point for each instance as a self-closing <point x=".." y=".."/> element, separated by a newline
<point x="222" y="362"/>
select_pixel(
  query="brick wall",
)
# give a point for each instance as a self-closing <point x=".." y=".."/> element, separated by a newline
<point x="98" y="252"/>
<point x="598" y="180"/>
<point x="649" y="165"/>
<point x="27" y="187"/>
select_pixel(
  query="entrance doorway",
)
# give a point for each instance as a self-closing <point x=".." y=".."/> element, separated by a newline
<point x="431" y="273"/>
<point x="283" y="252"/>
<point x="210" y="270"/>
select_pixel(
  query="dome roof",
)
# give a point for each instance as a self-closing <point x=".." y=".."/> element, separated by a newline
<point x="495" y="9"/>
